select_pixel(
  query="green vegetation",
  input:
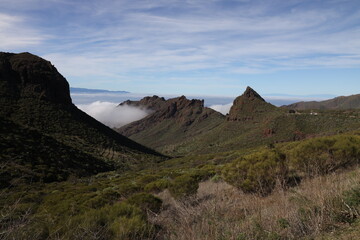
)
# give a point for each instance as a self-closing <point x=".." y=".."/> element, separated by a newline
<point x="262" y="174"/>
<point x="327" y="154"/>
<point x="259" y="172"/>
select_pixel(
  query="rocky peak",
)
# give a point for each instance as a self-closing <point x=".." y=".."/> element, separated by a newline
<point x="151" y="103"/>
<point x="248" y="105"/>
<point x="25" y="75"/>
<point x="180" y="107"/>
<point x="180" y="112"/>
<point x="252" y="94"/>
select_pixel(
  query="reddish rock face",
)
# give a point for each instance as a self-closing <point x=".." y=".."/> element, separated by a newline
<point x="246" y="106"/>
<point x="27" y="76"/>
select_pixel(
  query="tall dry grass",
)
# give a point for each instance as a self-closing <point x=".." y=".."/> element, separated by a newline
<point x="219" y="211"/>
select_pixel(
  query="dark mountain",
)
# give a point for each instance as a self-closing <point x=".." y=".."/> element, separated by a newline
<point x="27" y="155"/>
<point x="349" y="102"/>
<point x="173" y="121"/>
<point x="35" y="96"/>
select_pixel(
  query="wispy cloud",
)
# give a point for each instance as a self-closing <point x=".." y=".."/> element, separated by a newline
<point x="125" y="40"/>
<point x="16" y="33"/>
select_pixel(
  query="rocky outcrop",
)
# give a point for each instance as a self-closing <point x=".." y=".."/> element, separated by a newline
<point x="181" y="111"/>
<point x="34" y="94"/>
<point x="152" y="103"/>
<point x="248" y="106"/>
<point x="28" y="76"/>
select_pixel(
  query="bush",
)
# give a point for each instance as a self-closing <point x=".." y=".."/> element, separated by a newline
<point x="183" y="186"/>
<point x="118" y="221"/>
<point x="145" y="179"/>
<point x="326" y="154"/>
<point x="258" y="172"/>
<point x="145" y="202"/>
<point x="157" y="186"/>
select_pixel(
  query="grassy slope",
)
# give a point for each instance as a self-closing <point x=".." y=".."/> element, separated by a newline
<point x="286" y="127"/>
<point x="349" y="102"/>
<point x="26" y="156"/>
<point x="246" y="216"/>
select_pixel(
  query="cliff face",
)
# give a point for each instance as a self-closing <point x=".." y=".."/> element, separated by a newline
<point x="249" y="105"/>
<point x="172" y="123"/>
<point x="181" y="111"/>
<point x="151" y="103"/>
<point x="34" y="95"/>
<point x="27" y="76"/>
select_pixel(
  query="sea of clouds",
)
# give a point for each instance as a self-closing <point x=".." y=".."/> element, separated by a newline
<point x="113" y="115"/>
<point x="105" y="108"/>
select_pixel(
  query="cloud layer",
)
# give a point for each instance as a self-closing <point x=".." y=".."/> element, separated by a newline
<point x="224" y="109"/>
<point x="113" y="115"/>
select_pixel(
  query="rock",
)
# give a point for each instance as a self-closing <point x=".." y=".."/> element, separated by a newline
<point x="28" y="76"/>
<point x="248" y="105"/>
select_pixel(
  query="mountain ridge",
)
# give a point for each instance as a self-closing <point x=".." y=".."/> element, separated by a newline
<point x="34" y="95"/>
<point x="341" y="102"/>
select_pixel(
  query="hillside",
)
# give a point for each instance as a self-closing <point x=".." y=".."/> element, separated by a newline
<point x="348" y="102"/>
<point x="35" y="96"/>
<point x="251" y="122"/>
<point x="66" y="176"/>
<point x="173" y="121"/>
<point x="28" y="156"/>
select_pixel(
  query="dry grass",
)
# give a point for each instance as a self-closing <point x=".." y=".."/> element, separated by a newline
<point x="219" y="211"/>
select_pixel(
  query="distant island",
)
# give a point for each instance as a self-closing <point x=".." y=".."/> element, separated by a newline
<point x="87" y="90"/>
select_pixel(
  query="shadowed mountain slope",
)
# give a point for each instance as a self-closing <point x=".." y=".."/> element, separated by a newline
<point x="348" y="102"/>
<point x="34" y="95"/>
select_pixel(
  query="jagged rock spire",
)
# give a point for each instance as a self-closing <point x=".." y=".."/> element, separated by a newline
<point x="249" y="104"/>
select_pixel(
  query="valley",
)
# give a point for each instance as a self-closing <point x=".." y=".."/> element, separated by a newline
<point x="184" y="171"/>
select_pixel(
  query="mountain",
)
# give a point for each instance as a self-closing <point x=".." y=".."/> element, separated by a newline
<point x="176" y="127"/>
<point x="248" y="106"/>
<point x="348" y="102"/>
<point x="35" y="97"/>
<point x="27" y="155"/>
<point x="173" y="121"/>
<point x="153" y="103"/>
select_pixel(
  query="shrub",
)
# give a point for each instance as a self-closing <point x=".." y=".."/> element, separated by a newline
<point x="258" y="172"/>
<point x="183" y="186"/>
<point x="118" y="221"/>
<point x="143" y="180"/>
<point x="145" y="201"/>
<point x="157" y="186"/>
<point x="326" y="154"/>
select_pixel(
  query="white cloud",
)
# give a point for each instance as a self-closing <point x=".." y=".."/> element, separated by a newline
<point x="14" y="33"/>
<point x="113" y="115"/>
<point x="224" y="109"/>
<point x="124" y="40"/>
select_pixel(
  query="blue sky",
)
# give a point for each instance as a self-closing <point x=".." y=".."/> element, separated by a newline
<point x="192" y="47"/>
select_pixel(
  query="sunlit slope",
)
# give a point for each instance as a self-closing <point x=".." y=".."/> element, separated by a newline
<point x="251" y="122"/>
<point x="343" y="102"/>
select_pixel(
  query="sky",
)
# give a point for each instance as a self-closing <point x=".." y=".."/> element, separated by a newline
<point x="192" y="47"/>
